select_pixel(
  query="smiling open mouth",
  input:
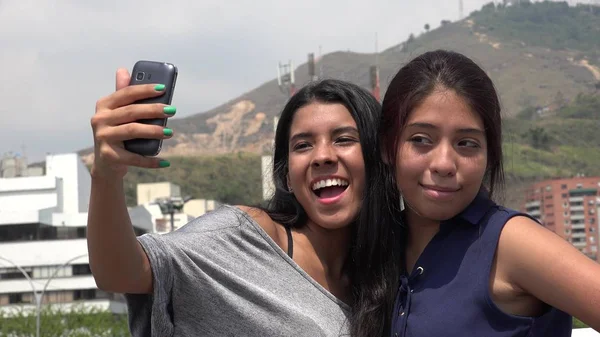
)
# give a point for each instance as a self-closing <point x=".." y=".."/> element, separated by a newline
<point x="329" y="188"/>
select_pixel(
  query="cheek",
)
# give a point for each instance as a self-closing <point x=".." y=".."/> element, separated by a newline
<point x="409" y="164"/>
<point x="294" y="172"/>
<point x="475" y="169"/>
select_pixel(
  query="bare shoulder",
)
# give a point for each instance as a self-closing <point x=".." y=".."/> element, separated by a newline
<point x="544" y="265"/>
<point x="264" y="220"/>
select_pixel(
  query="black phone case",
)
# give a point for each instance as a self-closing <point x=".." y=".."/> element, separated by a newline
<point x="145" y="72"/>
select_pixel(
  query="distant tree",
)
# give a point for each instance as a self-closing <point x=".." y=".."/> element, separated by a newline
<point x="559" y="99"/>
<point x="445" y="22"/>
<point x="538" y="138"/>
<point x="527" y="114"/>
<point x="411" y="38"/>
<point x="427" y="27"/>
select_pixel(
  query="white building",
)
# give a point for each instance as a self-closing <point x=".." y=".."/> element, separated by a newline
<point x="160" y="198"/>
<point x="43" y="223"/>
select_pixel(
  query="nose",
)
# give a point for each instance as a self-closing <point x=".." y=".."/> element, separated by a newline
<point x="443" y="162"/>
<point x="324" y="154"/>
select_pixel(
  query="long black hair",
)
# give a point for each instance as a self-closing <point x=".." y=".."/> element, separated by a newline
<point x="413" y="83"/>
<point x="370" y="266"/>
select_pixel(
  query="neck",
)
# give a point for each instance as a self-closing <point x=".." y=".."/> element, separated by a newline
<point x="420" y="232"/>
<point x="325" y="249"/>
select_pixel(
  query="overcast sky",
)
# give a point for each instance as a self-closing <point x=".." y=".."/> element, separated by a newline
<point x="59" y="56"/>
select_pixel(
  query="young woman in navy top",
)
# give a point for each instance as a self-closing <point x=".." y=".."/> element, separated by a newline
<point x="467" y="266"/>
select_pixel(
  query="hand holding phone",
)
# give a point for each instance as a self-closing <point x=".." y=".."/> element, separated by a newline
<point x="146" y="72"/>
<point x="129" y="124"/>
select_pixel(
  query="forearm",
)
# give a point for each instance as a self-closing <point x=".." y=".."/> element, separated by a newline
<point x="117" y="260"/>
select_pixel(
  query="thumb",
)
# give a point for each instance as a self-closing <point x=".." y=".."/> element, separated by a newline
<point x="122" y="78"/>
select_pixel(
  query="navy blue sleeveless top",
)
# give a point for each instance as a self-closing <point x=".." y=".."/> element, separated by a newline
<point x="448" y="292"/>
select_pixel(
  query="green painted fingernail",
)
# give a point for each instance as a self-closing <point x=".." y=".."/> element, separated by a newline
<point x="167" y="132"/>
<point x="164" y="163"/>
<point x="169" y="110"/>
<point x="159" y="87"/>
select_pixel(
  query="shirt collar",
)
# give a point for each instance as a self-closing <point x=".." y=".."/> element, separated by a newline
<point x="477" y="208"/>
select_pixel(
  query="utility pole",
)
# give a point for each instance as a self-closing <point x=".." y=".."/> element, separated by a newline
<point x="172" y="205"/>
<point x="374" y="73"/>
<point x="286" y="78"/>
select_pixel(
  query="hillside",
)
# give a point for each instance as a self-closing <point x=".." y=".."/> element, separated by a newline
<point x="544" y="59"/>
<point x="533" y="52"/>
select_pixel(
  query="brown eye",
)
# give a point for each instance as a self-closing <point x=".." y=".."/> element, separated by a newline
<point x="469" y="143"/>
<point x="300" y="146"/>
<point x="420" y="140"/>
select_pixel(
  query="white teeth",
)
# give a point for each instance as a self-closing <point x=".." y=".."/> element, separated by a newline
<point x="329" y="182"/>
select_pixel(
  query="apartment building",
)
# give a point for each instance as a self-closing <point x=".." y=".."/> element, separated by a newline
<point x="569" y="207"/>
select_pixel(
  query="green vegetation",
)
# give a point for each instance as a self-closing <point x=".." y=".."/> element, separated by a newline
<point x="554" y="25"/>
<point x="79" y="322"/>
<point x="562" y="143"/>
<point x="231" y="178"/>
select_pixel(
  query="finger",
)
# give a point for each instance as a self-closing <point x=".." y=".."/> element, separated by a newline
<point x="133" y="112"/>
<point x="121" y="156"/>
<point x="129" y="95"/>
<point x="128" y="131"/>
<point x="122" y="78"/>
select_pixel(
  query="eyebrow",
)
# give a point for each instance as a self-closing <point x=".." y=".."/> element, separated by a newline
<point x="433" y="127"/>
<point x="336" y="131"/>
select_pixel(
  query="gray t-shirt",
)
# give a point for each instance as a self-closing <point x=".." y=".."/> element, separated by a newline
<point x="223" y="275"/>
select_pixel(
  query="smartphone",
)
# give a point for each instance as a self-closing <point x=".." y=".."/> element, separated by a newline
<point x="145" y="72"/>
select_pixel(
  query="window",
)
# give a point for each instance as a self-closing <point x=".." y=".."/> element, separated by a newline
<point x="86" y="294"/>
<point x="548" y="188"/>
<point x="592" y="220"/>
<point x="564" y="195"/>
<point x="549" y="196"/>
<point x="579" y="186"/>
<point x="81" y="269"/>
<point x="15" y="298"/>
<point x="564" y="186"/>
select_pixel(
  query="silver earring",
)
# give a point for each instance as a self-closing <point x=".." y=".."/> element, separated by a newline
<point x="290" y="189"/>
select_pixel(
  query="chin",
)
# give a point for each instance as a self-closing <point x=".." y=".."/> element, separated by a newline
<point x="329" y="223"/>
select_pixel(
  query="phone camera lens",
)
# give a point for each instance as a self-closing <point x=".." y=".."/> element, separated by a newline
<point x="139" y="76"/>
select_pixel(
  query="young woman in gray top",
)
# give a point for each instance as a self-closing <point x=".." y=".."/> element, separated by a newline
<point x="304" y="266"/>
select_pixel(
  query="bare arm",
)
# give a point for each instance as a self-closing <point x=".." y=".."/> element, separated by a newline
<point x="544" y="265"/>
<point x="117" y="260"/>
